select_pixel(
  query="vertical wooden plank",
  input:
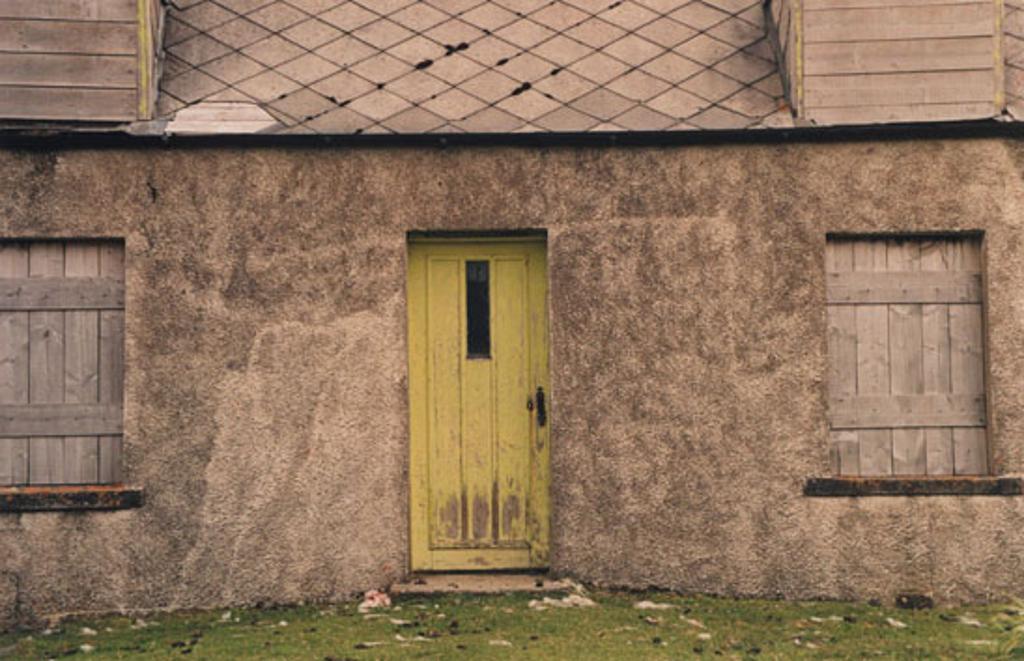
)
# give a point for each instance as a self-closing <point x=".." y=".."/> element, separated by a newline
<point x="940" y="451"/>
<point x="970" y="454"/>
<point x="842" y="358"/>
<point x="13" y="366"/>
<point x="478" y="432"/>
<point x="46" y="365"/>
<point x="967" y="361"/>
<point x="512" y="369"/>
<point x="444" y="391"/>
<point x="81" y="364"/>
<point x="909" y="452"/>
<point x="936" y="350"/>
<point x="111" y="363"/>
<point x="906" y="358"/>
<point x="873" y="361"/>
<point x="846" y="447"/>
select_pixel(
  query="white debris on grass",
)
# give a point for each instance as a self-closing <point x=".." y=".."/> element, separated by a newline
<point x="374" y="599"/>
<point x="500" y="643"/>
<point x="830" y="618"/>
<point x="87" y="648"/>
<point x="652" y="606"/>
<point x="415" y="639"/>
<point x="226" y="617"/>
<point x="399" y="623"/>
<point x="896" y="624"/>
<point x="692" y="622"/>
<point x="571" y="601"/>
<point x="86" y="631"/>
<point x="969" y="621"/>
<point x="282" y="623"/>
<point x="704" y="636"/>
<point x="980" y="643"/>
<point x="651" y="620"/>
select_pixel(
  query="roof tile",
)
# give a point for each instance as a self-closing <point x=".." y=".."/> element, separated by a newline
<point x="385" y="66"/>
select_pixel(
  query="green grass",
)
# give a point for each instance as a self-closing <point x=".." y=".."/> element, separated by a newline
<point x="470" y="627"/>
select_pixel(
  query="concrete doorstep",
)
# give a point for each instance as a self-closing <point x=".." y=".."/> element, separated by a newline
<point x="480" y="584"/>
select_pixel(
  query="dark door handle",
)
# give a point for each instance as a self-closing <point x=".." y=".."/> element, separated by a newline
<point x="542" y="409"/>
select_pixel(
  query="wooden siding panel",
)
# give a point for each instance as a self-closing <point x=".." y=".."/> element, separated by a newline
<point x="892" y="114"/>
<point x="61" y="103"/>
<point x="860" y="57"/>
<point x="50" y="70"/>
<point x="74" y="10"/>
<point x="903" y="22"/>
<point x="78" y="37"/>
<point x="899" y="89"/>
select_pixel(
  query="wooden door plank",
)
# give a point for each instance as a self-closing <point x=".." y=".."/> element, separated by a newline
<point x="940" y="451"/>
<point x="46" y="369"/>
<point x="970" y="454"/>
<point x="512" y="370"/>
<point x="449" y="511"/>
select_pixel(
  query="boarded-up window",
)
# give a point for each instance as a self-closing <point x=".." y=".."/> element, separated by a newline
<point x="906" y="356"/>
<point x="61" y="362"/>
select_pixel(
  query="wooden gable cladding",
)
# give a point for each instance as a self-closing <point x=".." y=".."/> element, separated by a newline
<point x="61" y="362"/>
<point x="906" y="356"/>
<point x="79" y="60"/>
<point x="881" y="61"/>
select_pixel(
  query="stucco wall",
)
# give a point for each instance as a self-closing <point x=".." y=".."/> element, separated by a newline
<point x="266" y="367"/>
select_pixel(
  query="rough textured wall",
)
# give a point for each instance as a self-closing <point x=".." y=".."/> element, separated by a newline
<point x="266" y="378"/>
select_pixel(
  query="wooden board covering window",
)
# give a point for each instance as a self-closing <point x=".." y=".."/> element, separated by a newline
<point x="61" y="362"/>
<point x="906" y="356"/>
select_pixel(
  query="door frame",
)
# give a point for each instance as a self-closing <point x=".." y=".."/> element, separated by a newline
<point x="538" y="519"/>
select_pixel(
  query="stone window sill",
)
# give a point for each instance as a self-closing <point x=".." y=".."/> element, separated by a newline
<point x="69" y="498"/>
<point x="854" y="487"/>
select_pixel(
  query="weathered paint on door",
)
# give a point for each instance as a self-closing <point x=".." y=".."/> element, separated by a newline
<point x="479" y="451"/>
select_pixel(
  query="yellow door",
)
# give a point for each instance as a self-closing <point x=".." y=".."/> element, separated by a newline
<point x="478" y="386"/>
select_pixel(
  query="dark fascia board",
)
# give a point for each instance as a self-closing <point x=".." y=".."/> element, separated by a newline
<point x="69" y="498"/>
<point x="853" y="487"/>
<point x="809" y="134"/>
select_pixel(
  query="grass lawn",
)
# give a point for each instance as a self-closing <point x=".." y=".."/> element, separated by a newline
<point x="505" y="626"/>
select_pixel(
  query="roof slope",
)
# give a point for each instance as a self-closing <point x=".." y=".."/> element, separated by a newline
<point x="430" y="66"/>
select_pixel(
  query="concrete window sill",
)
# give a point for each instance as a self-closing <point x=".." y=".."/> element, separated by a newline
<point x="854" y="487"/>
<point x="69" y="498"/>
